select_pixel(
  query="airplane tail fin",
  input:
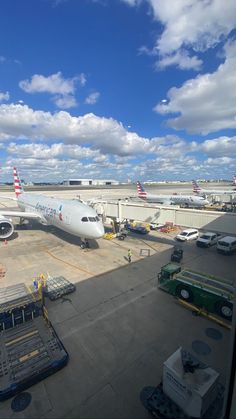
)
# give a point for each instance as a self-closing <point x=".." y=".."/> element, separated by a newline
<point x="196" y="187"/>
<point x="17" y="183"/>
<point x="141" y="191"/>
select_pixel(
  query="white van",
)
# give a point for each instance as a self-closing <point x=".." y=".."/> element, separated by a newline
<point x="188" y="234"/>
<point x="226" y="245"/>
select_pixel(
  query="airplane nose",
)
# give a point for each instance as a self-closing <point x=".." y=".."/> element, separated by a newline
<point x="96" y="232"/>
<point x="100" y="231"/>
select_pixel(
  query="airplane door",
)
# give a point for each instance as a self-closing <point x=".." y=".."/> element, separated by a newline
<point x="67" y="218"/>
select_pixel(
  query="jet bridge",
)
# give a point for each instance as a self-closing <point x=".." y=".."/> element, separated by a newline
<point x="215" y="221"/>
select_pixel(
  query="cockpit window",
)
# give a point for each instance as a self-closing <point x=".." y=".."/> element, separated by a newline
<point x="91" y="219"/>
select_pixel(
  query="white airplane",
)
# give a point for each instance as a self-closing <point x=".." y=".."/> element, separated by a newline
<point x="70" y="215"/>
<point x="200" y="191"/>
<point x="187" y="200"/>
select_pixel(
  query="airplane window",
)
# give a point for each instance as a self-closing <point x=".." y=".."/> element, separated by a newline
<point x="92" y="219"/>
<point x="84" y="219"/>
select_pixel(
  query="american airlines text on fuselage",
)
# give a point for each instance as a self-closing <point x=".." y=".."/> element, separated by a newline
<point x="48" y="211"/>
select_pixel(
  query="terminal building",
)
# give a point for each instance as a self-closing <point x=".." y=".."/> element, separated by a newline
<point x="89" y="182"/>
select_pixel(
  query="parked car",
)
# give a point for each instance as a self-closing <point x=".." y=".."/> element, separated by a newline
<point x="226" y="245"/>
<point x="188" y="234"/>
<point x="137" y="228"/>
<point x="207" y="239"/>
<point x="154" y="226"/>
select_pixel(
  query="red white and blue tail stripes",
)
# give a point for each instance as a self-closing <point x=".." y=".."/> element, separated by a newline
<point x="17" y="184"/>
<point x="141" y="192"/>
<point x="196" y="187"/>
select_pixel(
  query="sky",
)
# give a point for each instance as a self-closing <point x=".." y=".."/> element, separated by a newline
<point x="118" y="89"/>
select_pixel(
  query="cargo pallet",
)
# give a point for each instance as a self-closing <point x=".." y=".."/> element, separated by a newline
<point x="58" y="286"/>
<point x="17" y="305"/>
<point x="30" y="349"/>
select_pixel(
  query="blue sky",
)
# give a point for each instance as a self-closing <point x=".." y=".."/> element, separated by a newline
<point x="121" y="89"/>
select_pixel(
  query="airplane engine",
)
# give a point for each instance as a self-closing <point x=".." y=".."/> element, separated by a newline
<point x="6" y="227"/>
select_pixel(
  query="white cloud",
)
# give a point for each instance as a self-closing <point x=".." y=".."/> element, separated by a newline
<point x="196" y="24"/>
<point x="57" y="150"/>
<point x="181" y="59"/>
<point x="33" y="169"/>
<point x="208" y="102"/>
<point x="220" y="161"/>
<point x="200" y="24"/>
<point x="90" y="144"/>
<point x="131" y="2"/>
<point x="4" y="96"/>
<point x="222" y="146"/>
<point x="54" y="84"/>
<point x="104" y="134"/>
<point x="65" y="102"/>
<point x="92" y="98"/>
<point x="62" y="89"/>
<point x="82" y="79"/>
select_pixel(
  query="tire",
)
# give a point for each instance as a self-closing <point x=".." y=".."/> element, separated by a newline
<point x="184" y="293"/>
<point x="224" y="309"/>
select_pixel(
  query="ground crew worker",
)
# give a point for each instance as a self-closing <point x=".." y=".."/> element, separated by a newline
<point x="129" y="255"/>
<point x="42" y="280"/>
<point x="35" y="283"/>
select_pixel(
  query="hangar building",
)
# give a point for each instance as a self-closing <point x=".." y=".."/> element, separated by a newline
<point x="89" y="182"/>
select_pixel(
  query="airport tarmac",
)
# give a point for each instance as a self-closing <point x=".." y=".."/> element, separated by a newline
<point x="107" y="192"/>
<point x="118" y="328"/>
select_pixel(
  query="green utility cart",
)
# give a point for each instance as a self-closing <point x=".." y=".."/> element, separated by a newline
<point x="213" y="294"/>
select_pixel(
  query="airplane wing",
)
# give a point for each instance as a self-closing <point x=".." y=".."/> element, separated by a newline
<point x="22" y="214"/>
<point x="8" y="197"/>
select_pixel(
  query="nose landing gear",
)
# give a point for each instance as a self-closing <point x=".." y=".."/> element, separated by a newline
<point x="84" y="244"/>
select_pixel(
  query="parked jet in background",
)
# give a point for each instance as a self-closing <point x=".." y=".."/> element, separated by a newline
<point x="200" y="191"/>
<point x="187" y="200"/>
<point x="68" y="215"/>
<point x="234" y="180"/>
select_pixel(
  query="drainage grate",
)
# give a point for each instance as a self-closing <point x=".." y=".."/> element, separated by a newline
<point x="21" y="402"/>
<point x="213" y="333"/>
<point x="201" y="348"/>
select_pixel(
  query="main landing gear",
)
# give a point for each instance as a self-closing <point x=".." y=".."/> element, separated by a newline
<point x="84" y="244"/>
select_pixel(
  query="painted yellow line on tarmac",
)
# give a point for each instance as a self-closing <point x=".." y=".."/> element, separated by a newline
<point x="68" y="263"/>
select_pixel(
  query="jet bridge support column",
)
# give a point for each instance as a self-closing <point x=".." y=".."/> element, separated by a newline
<point x="119" y="218"/>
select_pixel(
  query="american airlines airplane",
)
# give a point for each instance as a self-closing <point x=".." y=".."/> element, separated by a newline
<point x="68" y="215"/>
<point x="198" y="190"/>
<point x="187" y="200"/>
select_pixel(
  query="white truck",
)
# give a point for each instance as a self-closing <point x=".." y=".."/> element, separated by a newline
<point x="207" y="239"/>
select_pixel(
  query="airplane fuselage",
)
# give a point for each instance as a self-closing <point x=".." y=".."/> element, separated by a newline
<point x="71" y="216"/>
<point x="191" y="201"/>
